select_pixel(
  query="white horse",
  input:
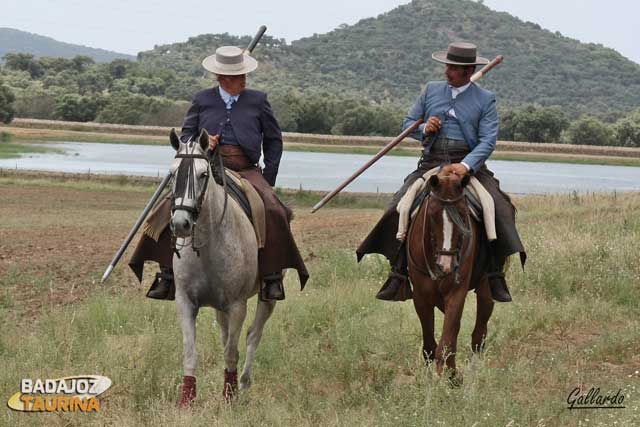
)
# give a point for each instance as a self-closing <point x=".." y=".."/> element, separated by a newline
<point x="216" y="264"/>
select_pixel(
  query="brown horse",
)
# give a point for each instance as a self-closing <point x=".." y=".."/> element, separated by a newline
<point x="447" y="258"/>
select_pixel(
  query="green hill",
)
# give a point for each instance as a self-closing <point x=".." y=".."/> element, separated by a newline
<point x="387" y="59"/>
<point x="16" y="41"/>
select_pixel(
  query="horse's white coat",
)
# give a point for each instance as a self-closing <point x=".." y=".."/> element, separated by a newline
<point x="224" y="275"/>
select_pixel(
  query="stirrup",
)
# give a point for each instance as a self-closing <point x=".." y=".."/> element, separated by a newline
<point x="272" y="288"/>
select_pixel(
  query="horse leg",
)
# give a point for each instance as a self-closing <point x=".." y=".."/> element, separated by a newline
<point x="485" y="308"/>
<point x="235" y="316"/>
<point x="425" y="309"/>
<point x="221" y="317"/>
<point x="446" y="351"/>
<point x="254" y="335"/>
<point x="187" y="312"/>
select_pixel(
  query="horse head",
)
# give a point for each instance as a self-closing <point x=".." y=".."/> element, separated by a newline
<point x="449" y="221"/>
<point x="191" y="173"/>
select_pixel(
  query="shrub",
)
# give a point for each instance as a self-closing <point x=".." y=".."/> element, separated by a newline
<point x="76" y="108"/>
<point x="7" y="110"/>
<point x="589" y="131"/>
<point x="128" y="109"/>
<point x="533" y="124"/>
<point x="627" y="130"/>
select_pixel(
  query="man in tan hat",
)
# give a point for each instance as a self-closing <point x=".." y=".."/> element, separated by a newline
<point x="460" y="130"/>
<point x="241" y="126"/>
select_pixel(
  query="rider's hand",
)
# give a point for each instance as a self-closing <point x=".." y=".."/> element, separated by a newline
<point x="433" y="125"/>
<point x="455" y="168"/>
<point x="213" y="141"/>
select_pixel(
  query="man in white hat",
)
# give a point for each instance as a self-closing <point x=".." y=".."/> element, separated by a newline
<point x="460" y="130"/>
<point x="241" y="126"/>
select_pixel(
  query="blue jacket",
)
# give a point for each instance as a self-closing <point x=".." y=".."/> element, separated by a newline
<point x="253" y="122"/>
<point x="475" y="109"/>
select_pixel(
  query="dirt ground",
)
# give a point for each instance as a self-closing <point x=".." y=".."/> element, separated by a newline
<point x="55" y="242"/>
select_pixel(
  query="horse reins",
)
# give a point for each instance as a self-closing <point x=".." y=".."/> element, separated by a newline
<point x="437" y="252"/>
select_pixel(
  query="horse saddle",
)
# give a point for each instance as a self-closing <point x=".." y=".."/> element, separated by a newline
<point x="237" y="187"/>
<point x="478" y="198"/>
<point x="472" y="201"/>
<point x="250" y="201"/>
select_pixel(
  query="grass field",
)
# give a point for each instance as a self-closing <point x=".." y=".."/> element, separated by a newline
<point x="332" y="354"/>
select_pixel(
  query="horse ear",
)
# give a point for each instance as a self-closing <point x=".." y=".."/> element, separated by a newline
<point x="434" y="181"/>
<point x="465" y="180"/>
<point x="175" y="140"/>
<point x="203" y="139"/>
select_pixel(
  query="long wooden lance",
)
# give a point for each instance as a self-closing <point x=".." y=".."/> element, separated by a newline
<point x="256" y="39"/>
<point x="136" y="227"/>
<point x="163" y="184"/>
<point x="475" y="77"/>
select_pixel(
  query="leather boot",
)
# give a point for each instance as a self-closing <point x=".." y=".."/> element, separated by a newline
<point x="499" y="289"/>
<point x="272" y="287"/>
<point x="497" y="282"/>
<point x="163" y="287"/>
<point x="397" y="286"/>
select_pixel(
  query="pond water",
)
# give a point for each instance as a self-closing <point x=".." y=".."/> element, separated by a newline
<point x="325" y="171"/>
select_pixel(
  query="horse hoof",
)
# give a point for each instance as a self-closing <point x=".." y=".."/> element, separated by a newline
<point x="245" y="382"/>
<point x="230" y="390"/>
<point x="454" y="378"/>
<point x="188" y="394"/>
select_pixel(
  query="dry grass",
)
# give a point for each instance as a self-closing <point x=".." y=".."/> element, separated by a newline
<point x="332" y="355"/>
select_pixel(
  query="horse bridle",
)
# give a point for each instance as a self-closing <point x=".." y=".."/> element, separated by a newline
<point x="438" y="274"/>
<point x="195" y="210"/>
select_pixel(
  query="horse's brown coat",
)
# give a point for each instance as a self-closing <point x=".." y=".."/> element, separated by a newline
<point x="424" y="239"/>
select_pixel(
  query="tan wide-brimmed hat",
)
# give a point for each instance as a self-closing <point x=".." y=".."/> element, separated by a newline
<point x="229" y="61"/>
<point x="460" y="53"/>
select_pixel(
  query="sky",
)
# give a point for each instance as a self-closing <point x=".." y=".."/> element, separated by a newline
<point x="131" y="26"/>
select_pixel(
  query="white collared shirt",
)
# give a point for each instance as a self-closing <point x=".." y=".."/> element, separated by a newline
<point x="455" y="91"/>
<point x="228" y="98"/>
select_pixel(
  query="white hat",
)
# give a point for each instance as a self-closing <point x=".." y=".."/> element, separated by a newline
<point x="230" y="61"/>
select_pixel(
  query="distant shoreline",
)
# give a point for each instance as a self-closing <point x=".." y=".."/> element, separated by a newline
<point x="42" y="131"/>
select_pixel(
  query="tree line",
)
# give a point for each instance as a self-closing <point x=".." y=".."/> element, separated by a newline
<point x="138" y="93"/>
<point x="532" y="123"/>
<point x="128" y="92"/>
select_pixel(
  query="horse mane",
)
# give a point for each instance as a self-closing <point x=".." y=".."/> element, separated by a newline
<point x="456" y="217"/>
<point x="185" y="178"/>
